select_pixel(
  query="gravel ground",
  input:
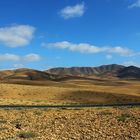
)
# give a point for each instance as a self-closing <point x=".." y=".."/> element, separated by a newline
<point x="68" y="124"/>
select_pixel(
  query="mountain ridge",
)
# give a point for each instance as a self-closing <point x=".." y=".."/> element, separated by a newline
<point x="103" y="71"/>
<point x="85" y="71"/>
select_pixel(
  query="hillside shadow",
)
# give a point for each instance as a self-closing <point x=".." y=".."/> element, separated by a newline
<point x="92" y="97"/>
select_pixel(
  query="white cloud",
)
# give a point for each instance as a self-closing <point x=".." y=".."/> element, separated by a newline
<point x="120" y="50"/>
<point x="16" y="36"/>
<point x="109" y="57"/>
<point x="135" y="4"/>
<point x="131" y="63"/>
<point x="73" y="11"/>
<point x="9" y="57"/>
<point x="13" y="57"/>
<point x="88" y="48"/>
<point x="31" y="57"/>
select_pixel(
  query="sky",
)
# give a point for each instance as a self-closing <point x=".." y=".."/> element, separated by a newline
<point x="42" y="34"/>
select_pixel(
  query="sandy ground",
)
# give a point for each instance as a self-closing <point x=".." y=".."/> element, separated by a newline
<point x="70" y="92"/>
<point x="68" y="124"/>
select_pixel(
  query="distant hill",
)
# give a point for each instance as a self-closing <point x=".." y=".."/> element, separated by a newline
<point x="25" y="74"/>
<point x="104" y="71"/>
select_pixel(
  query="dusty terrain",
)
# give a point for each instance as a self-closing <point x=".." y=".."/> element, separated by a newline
<point x="67" y="124"/>
<point x="70" y="92"/>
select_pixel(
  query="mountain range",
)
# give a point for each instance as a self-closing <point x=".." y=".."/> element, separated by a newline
<point x="104" y="71"/>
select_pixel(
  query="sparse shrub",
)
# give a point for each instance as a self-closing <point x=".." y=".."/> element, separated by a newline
<point x="18" y="126"/>
<point x="26" y="135"/>
<point x="123" y="117"/>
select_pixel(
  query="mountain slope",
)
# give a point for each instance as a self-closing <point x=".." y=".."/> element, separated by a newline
<point x="130" y="72"/>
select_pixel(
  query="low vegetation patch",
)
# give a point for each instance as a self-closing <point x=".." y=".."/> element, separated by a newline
<point x="123" y="117"/>
<point x="26" y="135"/>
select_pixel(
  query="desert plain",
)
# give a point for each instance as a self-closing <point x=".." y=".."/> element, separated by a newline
<point x="99" y="123"/>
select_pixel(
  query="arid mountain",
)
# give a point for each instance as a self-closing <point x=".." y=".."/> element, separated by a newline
<point x="104" y="71"/>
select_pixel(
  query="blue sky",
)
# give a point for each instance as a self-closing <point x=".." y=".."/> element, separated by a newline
<point x="41" y="34"/>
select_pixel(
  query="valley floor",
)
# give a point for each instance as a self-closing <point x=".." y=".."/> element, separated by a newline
<point x="70" y="92"/>
<point x="120" y="123"/>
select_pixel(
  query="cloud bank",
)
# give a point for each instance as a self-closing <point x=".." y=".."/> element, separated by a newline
<point x="88" y="48"/>
<point x="16" y="36"/>
<point x="31" y="57"/>
<point x="9" y="57"/>
<point x="26" y="58"/>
